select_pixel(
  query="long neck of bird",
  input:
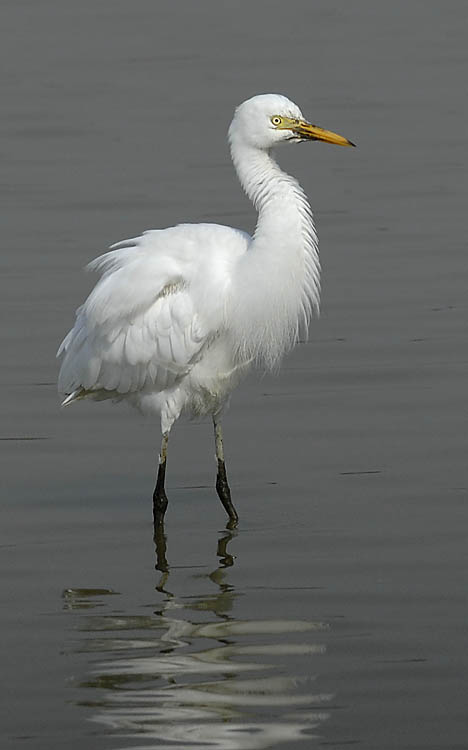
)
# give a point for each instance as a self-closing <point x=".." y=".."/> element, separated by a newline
<point x="277" y="284"/>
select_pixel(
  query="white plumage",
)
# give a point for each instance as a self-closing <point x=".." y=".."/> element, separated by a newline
<point x="152" y="319"/>
<point x="179" y="315"/>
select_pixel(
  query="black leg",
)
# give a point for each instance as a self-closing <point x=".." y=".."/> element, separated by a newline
<point x="159" y="494"/>
<point x="222" y="486"/>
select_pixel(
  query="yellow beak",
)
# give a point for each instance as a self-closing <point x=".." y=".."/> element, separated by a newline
<point x="313" y="133"/>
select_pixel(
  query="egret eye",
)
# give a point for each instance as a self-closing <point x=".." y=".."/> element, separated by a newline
<point x="276" y="120"/>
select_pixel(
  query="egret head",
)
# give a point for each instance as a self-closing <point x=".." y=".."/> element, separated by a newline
<point x="268" y="119"/>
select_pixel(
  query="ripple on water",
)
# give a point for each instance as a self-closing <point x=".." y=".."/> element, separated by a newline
<point x="167" y="681"/>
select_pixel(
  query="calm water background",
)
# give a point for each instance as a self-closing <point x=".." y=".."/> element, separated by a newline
<point x="336" y="613"/>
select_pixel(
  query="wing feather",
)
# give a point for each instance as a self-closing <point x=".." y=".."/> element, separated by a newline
<point x="139" y="327"/>
<point x="159" y="302"/>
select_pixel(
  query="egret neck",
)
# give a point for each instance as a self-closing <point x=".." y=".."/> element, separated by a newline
<point x="281" y="270"/>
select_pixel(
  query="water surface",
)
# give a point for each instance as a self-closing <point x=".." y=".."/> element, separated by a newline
<point x="334" y="615"/>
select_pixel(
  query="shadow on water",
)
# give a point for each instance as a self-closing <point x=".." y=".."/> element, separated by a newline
<point x="191" y="674"/>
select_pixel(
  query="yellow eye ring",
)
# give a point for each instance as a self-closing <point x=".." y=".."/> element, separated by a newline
<point x="276" y="120"/>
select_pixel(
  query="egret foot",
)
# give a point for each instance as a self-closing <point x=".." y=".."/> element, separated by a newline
<point x="222" y="487"/>
<point x="159" y="495"/>
<point x="160" y="503"/>
<point x="159" y="507"/>
<point x="224" y="494"/>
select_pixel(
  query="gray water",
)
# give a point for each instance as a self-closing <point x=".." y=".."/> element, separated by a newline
<point x="335" y="614"/>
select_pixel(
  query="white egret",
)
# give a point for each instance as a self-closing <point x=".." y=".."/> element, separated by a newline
<point x="180" y="315"/>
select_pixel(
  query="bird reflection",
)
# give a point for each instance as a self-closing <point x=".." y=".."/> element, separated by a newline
<point x="221" y="603"/>
<point x="160" y="543"/>
<point x="192" y="673"/>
